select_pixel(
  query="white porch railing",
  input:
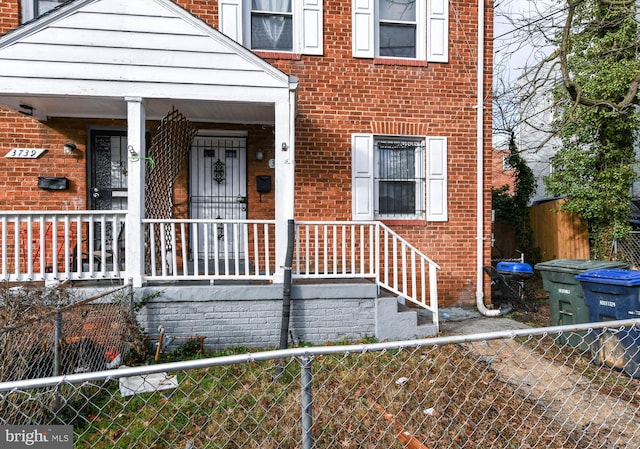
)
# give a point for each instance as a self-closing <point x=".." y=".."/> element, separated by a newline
<point x="210" y="249"/>
<point x="349" y="249"/>
<point x="59" y="245"/>
<point x="84" y="245"/>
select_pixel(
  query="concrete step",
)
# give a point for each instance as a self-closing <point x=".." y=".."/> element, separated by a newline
<point x="395" y="321"/>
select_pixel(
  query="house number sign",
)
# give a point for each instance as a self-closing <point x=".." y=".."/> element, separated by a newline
<point x="25" y="153"/>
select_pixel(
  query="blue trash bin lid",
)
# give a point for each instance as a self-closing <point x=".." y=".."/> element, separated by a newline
<point x="514" y="267"/>
<point x="613" y="276"/>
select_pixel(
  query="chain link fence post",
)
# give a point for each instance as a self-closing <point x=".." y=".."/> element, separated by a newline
<point x="57" y="354"/>
<point x="307" y="403"/>
<point x="57" y="339"/>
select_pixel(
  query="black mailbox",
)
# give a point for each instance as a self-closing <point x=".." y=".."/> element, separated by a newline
<point x="263" y="183"/>
<point x="53" y="183"/>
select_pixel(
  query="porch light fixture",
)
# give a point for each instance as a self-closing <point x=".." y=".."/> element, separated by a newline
<point x="259" y="155"/>
<point x="284" y="146"/>
<point x="69" y="148"/>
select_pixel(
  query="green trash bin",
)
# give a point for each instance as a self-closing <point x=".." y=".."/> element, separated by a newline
<point x="566" y="298"/>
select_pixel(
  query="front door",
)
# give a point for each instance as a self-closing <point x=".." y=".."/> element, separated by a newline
<point x="108" y="170"/>
<point x="107" y="190"/>
<point x="218" y="190"/>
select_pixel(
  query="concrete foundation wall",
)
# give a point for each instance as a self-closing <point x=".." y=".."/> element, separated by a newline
<point x="251" y="316"/>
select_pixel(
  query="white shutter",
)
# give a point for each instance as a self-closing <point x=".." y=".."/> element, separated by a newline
<point x="312" y="39"/>
<point x="230" y="18"/>
<point x="363" y="28"/>
<point x="362" y="169"/>
<point x="438" y="30"/>
<point x="437" y="179"/>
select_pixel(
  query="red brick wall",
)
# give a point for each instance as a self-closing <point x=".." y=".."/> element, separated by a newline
<point x="9" y="15"/>
<point x="338" y="95"/>
<point x="19" y="185"/>
<point x="499" y="176"/>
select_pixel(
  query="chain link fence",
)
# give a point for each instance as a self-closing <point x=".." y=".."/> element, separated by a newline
<point x="516" y="389"/>
<point x="628" y="250"/>
<point x="48" y="332"/>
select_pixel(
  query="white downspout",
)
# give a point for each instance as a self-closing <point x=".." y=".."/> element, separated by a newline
<point x="480" y="170"/>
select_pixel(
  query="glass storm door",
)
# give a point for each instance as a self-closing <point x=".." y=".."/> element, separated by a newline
<point x="218" y="190"/>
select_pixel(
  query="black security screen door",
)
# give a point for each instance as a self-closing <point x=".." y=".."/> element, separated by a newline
<point x="108" y="170"/>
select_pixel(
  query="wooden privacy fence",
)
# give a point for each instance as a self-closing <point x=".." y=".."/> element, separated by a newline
<point x="558" y="234"/>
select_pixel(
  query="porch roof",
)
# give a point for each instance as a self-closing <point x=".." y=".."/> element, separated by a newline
<point x="85" y="57"/>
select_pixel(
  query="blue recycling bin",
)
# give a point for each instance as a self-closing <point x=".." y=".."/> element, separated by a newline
<point x="614" y="294"/>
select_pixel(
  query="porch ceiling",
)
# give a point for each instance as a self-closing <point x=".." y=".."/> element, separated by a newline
<point x="43" y="107"/>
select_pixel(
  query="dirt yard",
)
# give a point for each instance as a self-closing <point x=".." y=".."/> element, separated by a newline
<point x="571" y="400"/>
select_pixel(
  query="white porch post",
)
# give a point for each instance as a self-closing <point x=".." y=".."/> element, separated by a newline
<point x="134" y="251"/>
<point x="284" y="173"/>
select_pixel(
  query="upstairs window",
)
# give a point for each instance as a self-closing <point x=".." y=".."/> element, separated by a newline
<point x="274" y="25"/>
<point x="271" y="25"/>
<point x="34" y="8"/>
<point x="397" y="28"/>
<point x="408" y="29"/>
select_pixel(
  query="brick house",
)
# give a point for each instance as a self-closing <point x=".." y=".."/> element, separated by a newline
<point x="205" y="126"/>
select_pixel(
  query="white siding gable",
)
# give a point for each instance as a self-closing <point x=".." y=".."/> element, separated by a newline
<point x="117" y="47"/>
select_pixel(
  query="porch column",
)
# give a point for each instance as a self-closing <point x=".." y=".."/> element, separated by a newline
<point x="284" y="173"/>
<point x="134" y="230"/>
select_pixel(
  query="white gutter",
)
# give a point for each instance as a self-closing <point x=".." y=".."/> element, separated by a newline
<point x="480" y="170"/>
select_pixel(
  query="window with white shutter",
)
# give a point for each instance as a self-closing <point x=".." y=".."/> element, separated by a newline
<point x="274" y="25"/>
<point x="399" y="177"/>
<point x="410" y="29"/>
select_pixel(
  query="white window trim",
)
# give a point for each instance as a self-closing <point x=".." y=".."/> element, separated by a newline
<point x="433" y="193"/>
<point x="420" y="174"/>
<point x="432" y="30"/>
<point x="235" y="17"/>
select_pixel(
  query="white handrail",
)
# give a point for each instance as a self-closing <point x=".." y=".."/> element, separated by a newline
<point x="366" y="250"/>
